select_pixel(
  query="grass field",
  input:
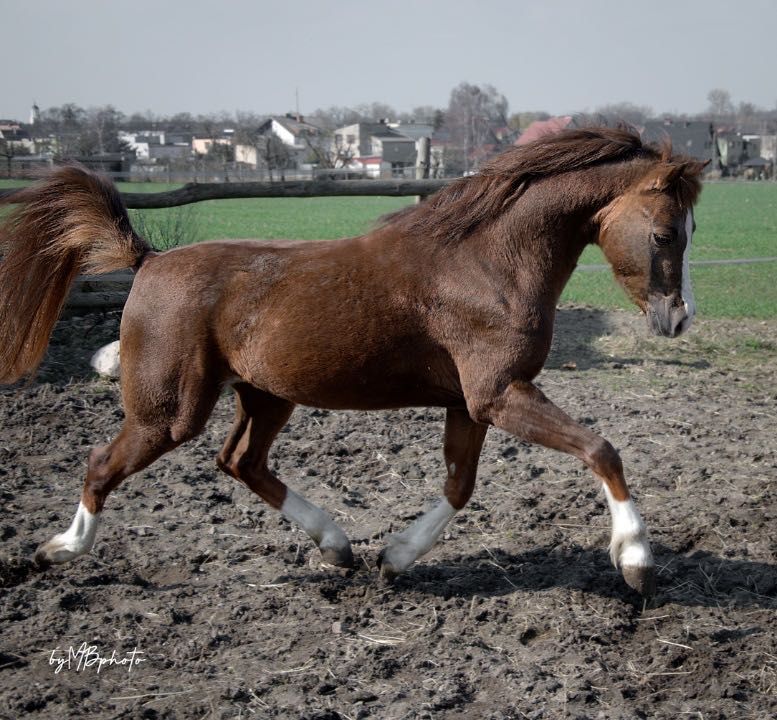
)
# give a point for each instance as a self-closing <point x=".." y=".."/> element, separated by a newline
<point x="735" y="220"/>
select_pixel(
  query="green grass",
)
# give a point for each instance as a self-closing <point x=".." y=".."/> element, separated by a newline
<point x="266" y="218"/>
<point x="721" y="291"/>
<point x="734" y="220"/>
<point x="271" y="218"/>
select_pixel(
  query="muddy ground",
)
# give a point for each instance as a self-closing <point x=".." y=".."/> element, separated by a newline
<point x="516" y="614"/>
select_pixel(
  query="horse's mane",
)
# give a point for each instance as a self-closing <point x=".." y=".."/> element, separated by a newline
<point x="458" y="209"/>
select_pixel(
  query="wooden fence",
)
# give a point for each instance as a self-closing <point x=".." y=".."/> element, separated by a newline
<point x="99" y="293"/>
<point x="197" y="192"/>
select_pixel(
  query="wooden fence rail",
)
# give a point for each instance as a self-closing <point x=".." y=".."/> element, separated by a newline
<point x="109" y="292"/>
<point x="197" y="192"/>
<point x="91" y="293"/>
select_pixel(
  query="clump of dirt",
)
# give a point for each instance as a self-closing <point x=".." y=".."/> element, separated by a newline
<point x="517" y="613"/>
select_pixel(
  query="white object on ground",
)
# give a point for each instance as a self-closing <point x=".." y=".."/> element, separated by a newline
<point x="106" y="360"/>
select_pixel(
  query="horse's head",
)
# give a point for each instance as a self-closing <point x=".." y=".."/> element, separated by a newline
<point x="646" y="236"/>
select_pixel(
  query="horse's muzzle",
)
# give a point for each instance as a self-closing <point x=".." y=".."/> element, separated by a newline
<point x="667" y="315"/>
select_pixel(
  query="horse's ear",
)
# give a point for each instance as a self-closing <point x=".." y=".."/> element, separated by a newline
<point x="670" y="173"/>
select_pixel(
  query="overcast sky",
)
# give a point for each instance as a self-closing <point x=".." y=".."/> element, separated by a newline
<point x="560" y="56"/>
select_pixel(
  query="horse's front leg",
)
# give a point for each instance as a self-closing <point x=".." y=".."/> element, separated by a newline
<point x="522" y="410"/>
<point x="463" y="441"/>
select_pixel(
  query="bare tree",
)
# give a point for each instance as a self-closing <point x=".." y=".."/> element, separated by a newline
<point x="720" y="104"/>
<point x="474" y="114"/>
<point x="101" y="131"/>
<point x="334" y="117"/>
<point x="273" y="154"/>
<point x="522" y="120"/>
<point x="423" y="114"/>
<point x="370" y="112"/>
<point x="748" y="114"/>
<point x="9" y="150"/>
<point x="140" y="121"/>
<point x="625" y="112"/>
<point x="64" y="125"/>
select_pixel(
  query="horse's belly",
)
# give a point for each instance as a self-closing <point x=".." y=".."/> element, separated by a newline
<point x="348" y="381"/>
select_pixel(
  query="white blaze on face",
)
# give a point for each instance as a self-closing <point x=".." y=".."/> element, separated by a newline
<point x="687" y="290"/>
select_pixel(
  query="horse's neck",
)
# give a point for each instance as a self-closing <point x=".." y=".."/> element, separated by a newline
<point x="547" y="229"/>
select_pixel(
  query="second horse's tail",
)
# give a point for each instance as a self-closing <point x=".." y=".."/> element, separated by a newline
<point x="73" y="221"/>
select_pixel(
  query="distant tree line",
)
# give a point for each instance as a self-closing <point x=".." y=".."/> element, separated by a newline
<point x="476" y="123"/>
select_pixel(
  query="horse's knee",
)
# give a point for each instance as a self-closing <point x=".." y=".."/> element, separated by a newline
<point x="604" y="459"/>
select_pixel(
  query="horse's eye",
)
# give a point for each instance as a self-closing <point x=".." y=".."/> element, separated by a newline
<point x="663" y="239"/>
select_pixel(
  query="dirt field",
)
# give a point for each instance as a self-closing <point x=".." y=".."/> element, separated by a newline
<point x="516" y="614"/>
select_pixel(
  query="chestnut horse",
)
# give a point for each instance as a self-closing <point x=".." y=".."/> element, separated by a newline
<point x="448" y="303"/>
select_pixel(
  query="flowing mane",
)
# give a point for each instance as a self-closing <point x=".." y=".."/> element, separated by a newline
<point x="457" y="210"/>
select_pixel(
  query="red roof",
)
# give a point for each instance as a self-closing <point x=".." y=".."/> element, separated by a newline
<point x="539" y="128"/>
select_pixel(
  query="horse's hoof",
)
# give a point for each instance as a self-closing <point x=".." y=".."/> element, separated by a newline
<point x="388" y="573"/>
<point x="41" y="560"/>
<point x="641" y="579"/>
<point x="54" y="552"/>
<point x="339" y="557"/>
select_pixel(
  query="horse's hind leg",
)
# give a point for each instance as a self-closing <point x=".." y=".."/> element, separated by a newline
<point x="151" y="429"/>
<point x="132" y="450"/>
<point x="260" y="417"/>
<point x="463" y="442"/>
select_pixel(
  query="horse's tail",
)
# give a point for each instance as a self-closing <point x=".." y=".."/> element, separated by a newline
<point x="72" y="221"/>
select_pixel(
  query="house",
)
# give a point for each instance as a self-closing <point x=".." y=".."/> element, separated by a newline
<point x="735" y="150"/>
<point x="247" y="154"/>
<point x="153" y="145"/>
<point x="201" y="145"/>
<point x="140" y="142"/>
<point x="293" y="131"/>
<point x="16" y="139"/>
<point x="767" y="145"/>
<point x="420" y="132"/>
<point x="370" y="166"/>
<point x="376" y="140"/>
<point x="690" y="137"/>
